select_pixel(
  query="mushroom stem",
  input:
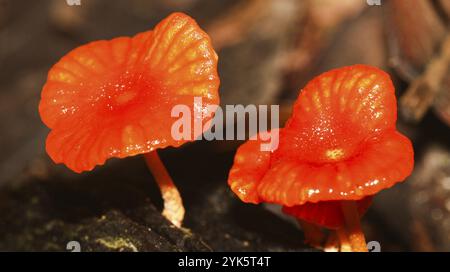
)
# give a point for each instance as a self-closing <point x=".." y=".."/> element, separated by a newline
<point x="353" y="226"/>
<point x="332" y="244"/>
<point x="313" y="234"/>
<point x="173" y="204"/>
<point x="344" y="243"/>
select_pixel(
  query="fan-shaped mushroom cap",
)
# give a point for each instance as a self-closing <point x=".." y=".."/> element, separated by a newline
<point x="340" y="143"/>
<point x="114" y="98"/>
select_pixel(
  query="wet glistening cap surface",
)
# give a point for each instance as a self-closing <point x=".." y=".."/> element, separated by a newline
<point x="114" y="98"/>
<point x="340" y="143"/>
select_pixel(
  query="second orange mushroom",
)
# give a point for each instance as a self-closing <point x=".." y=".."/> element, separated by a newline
<point x="338" y="149"/>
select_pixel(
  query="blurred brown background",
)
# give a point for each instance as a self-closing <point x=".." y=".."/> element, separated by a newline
<point x="267" y="51"/>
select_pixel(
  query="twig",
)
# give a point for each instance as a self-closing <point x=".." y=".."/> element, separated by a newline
<point x="421" y="93"/>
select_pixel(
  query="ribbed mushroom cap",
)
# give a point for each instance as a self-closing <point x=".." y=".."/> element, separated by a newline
<point x="114" y="98"/>
<point x="340" y="143"/>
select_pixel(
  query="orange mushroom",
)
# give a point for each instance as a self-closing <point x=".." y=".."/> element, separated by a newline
<point x="338" y="149"/>
<point x="114" y="98"/>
